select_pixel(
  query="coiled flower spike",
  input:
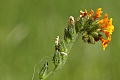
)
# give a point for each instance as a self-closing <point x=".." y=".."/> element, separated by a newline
<point x="92" y="30"/>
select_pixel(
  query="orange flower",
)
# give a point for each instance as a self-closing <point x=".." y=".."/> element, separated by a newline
<point x="104" y="42"/>
<point x="104" y="20"/>
<point x="107" y="28"/>
<point x="83" y="14"/>
<point x="107" y="33"/>
<point x="98" y="13"/>
<point x="91" y="13"/>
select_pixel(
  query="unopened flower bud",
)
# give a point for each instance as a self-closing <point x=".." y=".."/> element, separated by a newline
<point x="57" y="40"/>
<point x="43" y="71"/>
<point x="71" y="20"/>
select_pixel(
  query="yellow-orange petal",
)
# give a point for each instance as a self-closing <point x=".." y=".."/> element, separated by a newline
<point x="110" y="27"/>
<point x="103" y="22"/>
<point x="98" y="13"/>
<point x="107" y="33"/>
<point x="104" y="42"/>
<point x="109" y="22"/>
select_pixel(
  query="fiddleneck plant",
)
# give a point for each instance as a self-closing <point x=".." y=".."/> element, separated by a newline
<point x="91" y="29"/>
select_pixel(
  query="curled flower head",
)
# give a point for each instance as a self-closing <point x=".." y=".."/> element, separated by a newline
<point x="94" y="29"/>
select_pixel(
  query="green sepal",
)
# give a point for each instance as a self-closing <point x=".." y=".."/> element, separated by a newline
<point x="67" y="36"/>
<point x="88" y="37"/>
<point x="79" y="24"/>
<point x="91" y="39"/>
<point x="72" y="31"/>
<point x="69" y="33"/>
<point x="85" y="36"/>
<point x="62" y="46"/>
<point x="57" y="58"/>
<point x="88" y="22"/>
<point x="43" y="72"/>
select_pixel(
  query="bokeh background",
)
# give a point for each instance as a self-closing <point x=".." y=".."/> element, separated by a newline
<point x="27" y="32"/>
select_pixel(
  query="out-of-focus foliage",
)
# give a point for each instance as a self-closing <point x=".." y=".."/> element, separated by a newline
<point x="27" y="32"/>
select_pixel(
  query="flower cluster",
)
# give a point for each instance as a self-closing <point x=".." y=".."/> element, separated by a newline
<point x="94" y="29"/>
<point x="107" y="28"/>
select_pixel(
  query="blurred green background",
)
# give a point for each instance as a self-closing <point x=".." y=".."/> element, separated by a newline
<point x="27" y="32"/>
